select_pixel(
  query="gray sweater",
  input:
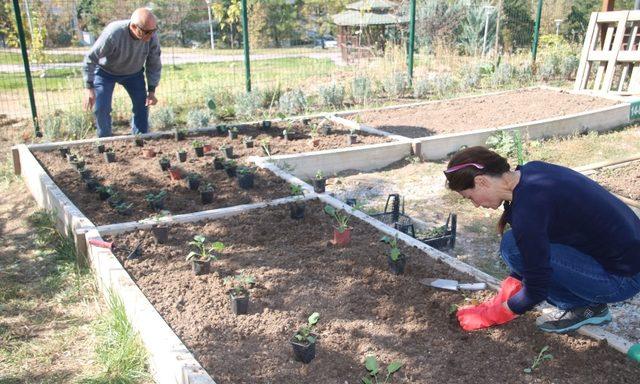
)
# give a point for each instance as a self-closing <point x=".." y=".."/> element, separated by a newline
<point x="119" y="53"/>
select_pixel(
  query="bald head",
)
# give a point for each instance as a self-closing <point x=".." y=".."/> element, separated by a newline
<point x="144" y="18"/>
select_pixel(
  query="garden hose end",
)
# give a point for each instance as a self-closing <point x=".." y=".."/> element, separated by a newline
<point x="634" y="352"/>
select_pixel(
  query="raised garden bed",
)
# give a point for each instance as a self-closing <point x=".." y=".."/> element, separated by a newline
<point x="624" y="180"/>
<point x="487" y="111"/>
<point x="363" y="308"/>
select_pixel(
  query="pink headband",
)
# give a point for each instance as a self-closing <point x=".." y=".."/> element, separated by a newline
<point x="460" y="166"/>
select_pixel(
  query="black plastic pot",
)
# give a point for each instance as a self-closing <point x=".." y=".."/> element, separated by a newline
<point x="351" y="139"/>
<point x="200" y="267"/>
<point x="193" y="184"/>
<point x="325" y="129"/>
<point x="227" y="151"/>
<point x="306" y="121"/>
<point x="165" y="165"/>
<point x="91" y="184"/>
<point x="239" y="304"/>
<point x="397" y="267"/>
<point x="206" y="197"/>
<point x="63" y="151"/>
<point x="319" y="185"/>
<point x="231" y="171"/>
<point x="266" y="124"/>
<point x="297" y="210"/>
<point x="303" y="351"/>
<point x="217" y="163"/>
<point x="233" y="134"/>
<point x="100" y="148"/>
<point x="139" y="142"/>
<point x="182" y="156"/>
<point x="179" y="135"/>
<point x="351" y="201"/>
<point x="248" y="143"/>
<point x="160" y="234"/>
<point x="110" y="157"/>
<point x="71" y="158"/>
<point x="245" y="181"/>
<point x="84" y="173"/>
<point x="199" y="151"/>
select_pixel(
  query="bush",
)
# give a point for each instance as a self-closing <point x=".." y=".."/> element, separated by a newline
<point x="270" y="96"/>
<point x="503" y="75"/>
<point x="396" y="85"/>
<point x="421" y="88"/>
<point x="52" y="127"/>
<point x="79" y="125"/>
<point x="550" y="67"/>
<point x="331" y="95"/>
<point x="569" y="67"/>
<point x="360" y="89"/>
<point x="198" y="118"/>
<point x="248" y="105"/>
<point x="524" y="73"/>
<point x="443" y="84"/>
<point x="293" y="102"/>
<point x="163" y="118"/>
<point x="471" y="79"/>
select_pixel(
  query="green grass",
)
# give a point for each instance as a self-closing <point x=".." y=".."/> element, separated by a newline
<point x="120" y="351"/>
<point x="7" y="176"/>
<point x="16" y="58"/>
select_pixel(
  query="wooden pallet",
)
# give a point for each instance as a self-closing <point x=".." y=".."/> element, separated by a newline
<point x="610" y="59"/>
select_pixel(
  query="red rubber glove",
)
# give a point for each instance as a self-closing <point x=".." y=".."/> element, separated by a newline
<point x="509" y="287"/>
<point x="484" y="316"/>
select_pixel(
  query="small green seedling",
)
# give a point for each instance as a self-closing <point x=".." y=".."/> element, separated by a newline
<point x="437" y="231"/>
<point x="304" y="333"/>
<point x="341" y="217"/>
<point x="394" y="253"/>
<point x="155" y="197"/>
<point x="371" y="364"/>
<point x="319" y="175"/>
<point x="240" y="284"/>
<point x="296" y="190"/>
<point x="197" y="144"/>
<point x="542" y="356"/>
<point x="314" y="130"/>
<point x="204" y="251"/>
<point x="264" y="144"/>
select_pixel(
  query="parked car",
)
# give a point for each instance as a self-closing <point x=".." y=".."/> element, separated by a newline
<point x="326" y="42"/>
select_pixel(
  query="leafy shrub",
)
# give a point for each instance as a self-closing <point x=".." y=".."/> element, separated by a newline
<point x="471" y="79"/>
<point x="163" y="118"/>
<point x="52" y="127"/>
<point x="79" y="124"/>
<point x="569" y="66"/>
<point x="293" y="102"/>
<point x="271" y="95"/>
<point x="503" y="75"/>
<point x="360" y="89"/>
<point x="421" y="88"/>
<point x="524" y="73"/>
<point x="395" y="85"/>
<point x="550" y="67"/>
<point x="248" y="105"/>
<point x="198" y="118"/>
<point x="331" y="95"/>
<point x="443" y="84"/>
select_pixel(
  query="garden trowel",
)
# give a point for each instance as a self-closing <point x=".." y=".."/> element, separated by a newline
<point x="452" y="285"/>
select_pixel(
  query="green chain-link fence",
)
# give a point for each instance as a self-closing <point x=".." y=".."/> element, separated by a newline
<point x="305" y="56"/>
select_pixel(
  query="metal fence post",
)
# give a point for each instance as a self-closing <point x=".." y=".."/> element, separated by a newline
<point x="245" y="43"/>
<point x="27" y="70"/>
<point x="412" y="35"/>
<point x="536" y="32"/>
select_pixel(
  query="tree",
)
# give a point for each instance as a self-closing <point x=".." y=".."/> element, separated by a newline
<point x="517" y="31"/>
<point x="227" y="13"/>
<point x="578" y="19"/>
<point x="8" y="29"/>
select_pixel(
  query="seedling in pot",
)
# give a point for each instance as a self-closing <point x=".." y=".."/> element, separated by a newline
<point x="542" y="356"/>
<point x="222" y="129"/>
<point x="64" y="151"/>
<point x="218" y="163"/>
<point x="304" y="340"/>
<point x="247" y="141"/>
<point x="227" y="151"/>
<point x="98" y="146"/>
<point x="84" y="173"/>
<point x="325" y="128"/>
<point x="91" y="184"/>
<point x="165" y="163"/>
<point x="193" y="181"/>
<point x="204" y="252"/>
<point x="239" y="292"/>
<point x="206" y="193"/>
<point x="371" y="364"/>
<point x="124" y="208"/>
<point x="396" y="260"/>
<point x="314" y="141"/>
<point x="109" y="155"/>
<point x="246" y="176"/>
<point x="352" y="137"/>
<point x="139" y="141"/>
<point x="230" y="167"/>
<point x="266" y="124"/>
<point x="180" y="134"/>
<point x="297" y="208"/>
<point x="71" y="157"/>
<point x="198" y="147"/>
<point x="265" y="144"/>
<point x="104" y="192"/>
<point x="159" y="229"/>
<point x="233" y="133"/>
<point x="156" y="200"/>
<point x="115" y="199"/>
<point x="182" y="155"/>
<point x="319" y="182"/>
<point x="78" y="162"/>
<point x="342" y="231"/>
<point x="285" y="134"/>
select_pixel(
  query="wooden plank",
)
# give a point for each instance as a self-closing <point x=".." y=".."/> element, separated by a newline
<point x="634" y="81"/>
<point x="615" y="49"/>
<point x="582" y="76"/>
<point x="599" y="76"/>
<point x="15" y="153"/>
<point x="608" y="37"/>
<point x="623" y="76"/>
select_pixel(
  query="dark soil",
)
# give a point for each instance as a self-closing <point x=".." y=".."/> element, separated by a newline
<point x="625" y="181"/>
<point x="364" y="309"/>
<point x="481" y="112"/>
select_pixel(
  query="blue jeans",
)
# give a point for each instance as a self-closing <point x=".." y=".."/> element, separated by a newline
<point x="577" y="279"/>
<point x="136" y="88"/>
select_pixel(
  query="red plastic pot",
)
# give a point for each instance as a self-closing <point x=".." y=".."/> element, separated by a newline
<point x="175" y="173"/>
<point x="207" y="148"/>
<point x="341" y="239"/>
<point x="148" y="153"/>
